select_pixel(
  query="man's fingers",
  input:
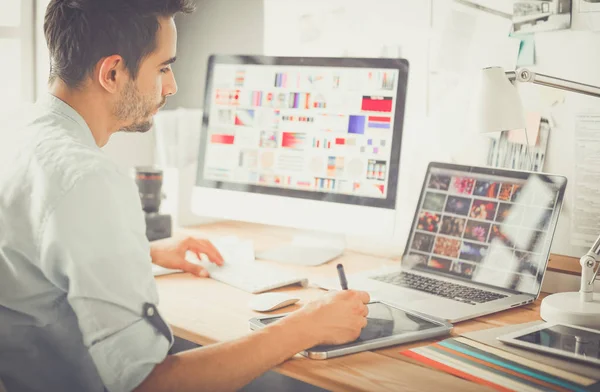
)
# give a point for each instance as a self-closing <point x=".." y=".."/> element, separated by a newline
<point x="364" y="297"/>
<point x="206" y="247"/>
<point x="195" y="269"/>
<point x="365" y="311"/>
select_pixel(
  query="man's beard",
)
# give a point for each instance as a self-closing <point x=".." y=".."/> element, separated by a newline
<point x="132" y="105"/>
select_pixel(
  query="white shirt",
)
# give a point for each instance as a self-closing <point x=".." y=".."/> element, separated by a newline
<point x="75" y="266"/>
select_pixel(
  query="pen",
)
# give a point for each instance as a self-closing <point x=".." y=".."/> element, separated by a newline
<point x="342" y="276"/>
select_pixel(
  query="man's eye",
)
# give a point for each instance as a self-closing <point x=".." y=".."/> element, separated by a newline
<point x="165" y="70"/>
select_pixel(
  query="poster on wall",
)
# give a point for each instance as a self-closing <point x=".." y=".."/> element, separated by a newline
<point x="586" y="15"/>
<point x="541" y="15"/>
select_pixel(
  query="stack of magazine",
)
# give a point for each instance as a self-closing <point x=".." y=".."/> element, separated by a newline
<point x="517" y="156"/>
<point x="479" y="357"/>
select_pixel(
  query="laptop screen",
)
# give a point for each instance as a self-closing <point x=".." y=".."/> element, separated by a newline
<point x="484" y="225"/>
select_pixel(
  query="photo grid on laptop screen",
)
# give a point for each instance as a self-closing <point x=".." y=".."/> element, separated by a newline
<point x="485" y="228"/>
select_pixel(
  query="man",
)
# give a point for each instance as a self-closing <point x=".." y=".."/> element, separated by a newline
<point x="77" y="295"/>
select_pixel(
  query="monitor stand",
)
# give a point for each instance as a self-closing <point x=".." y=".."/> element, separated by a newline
<point x="308" y="249"/>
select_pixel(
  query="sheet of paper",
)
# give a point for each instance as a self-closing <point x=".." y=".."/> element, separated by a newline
<point x="464" y="40"/>
<point x="533" y="131"/>
<point x="493" y="50"/>
<point x="586" y="15"/>
<point x="453" y="29"/>
<point x="526" y="51"/>
<point x="585" y="221"/>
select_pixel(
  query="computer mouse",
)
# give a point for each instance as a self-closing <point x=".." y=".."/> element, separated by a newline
<point x="267" y="302"/>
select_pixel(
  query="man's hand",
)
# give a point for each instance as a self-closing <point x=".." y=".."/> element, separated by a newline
<point x="336" y="318"/>
<point x="170" y="253"/>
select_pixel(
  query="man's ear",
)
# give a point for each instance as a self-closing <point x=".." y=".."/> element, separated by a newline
<point x="111" y="73"/>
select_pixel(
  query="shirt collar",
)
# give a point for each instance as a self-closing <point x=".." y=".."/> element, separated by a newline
<point x="59" y="106"/>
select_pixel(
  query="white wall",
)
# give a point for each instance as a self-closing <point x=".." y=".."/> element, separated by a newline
<point x="440" y="132"/>
<point x="361" y="29"/>
<point x="567" y="54"/>
<point x="573" y="55"/>
<point x="217" y="27"/>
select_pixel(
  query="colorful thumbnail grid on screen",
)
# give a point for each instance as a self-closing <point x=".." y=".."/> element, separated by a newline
<point x="465" y="223"/>
<point x="302" y="128"/>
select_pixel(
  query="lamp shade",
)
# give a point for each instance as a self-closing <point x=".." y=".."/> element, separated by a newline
<point x="496" y="104"/>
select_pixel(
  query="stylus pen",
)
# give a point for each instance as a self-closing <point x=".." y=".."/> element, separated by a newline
<point x="342" y="276"/>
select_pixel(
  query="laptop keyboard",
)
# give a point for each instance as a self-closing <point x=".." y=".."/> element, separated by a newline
<point x="440" y="288"/>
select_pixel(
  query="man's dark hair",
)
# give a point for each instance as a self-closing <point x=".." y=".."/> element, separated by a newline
<point x="80" y="33"/>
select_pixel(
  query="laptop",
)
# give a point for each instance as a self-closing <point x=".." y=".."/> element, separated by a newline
<point x="479" y="243"/>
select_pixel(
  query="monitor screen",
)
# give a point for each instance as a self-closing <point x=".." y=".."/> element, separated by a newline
<point x="319" y="129"/>
<point x="489" y="226"/>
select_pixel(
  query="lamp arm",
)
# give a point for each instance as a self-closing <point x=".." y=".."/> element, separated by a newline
<point x="526" y="76"/>
<point x="588" y="276"/>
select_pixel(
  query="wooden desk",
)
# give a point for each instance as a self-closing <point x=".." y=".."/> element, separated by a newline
<point x="205" y="311"/>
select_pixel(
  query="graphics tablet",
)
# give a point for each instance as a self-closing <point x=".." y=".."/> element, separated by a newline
<point x="387" y="326"/>
<point x="567" y="341"/>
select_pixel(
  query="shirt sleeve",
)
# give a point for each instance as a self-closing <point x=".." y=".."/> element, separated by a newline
<point x="93" y="246"/>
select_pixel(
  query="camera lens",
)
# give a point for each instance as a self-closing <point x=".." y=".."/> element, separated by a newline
<point x="149" y="182"/>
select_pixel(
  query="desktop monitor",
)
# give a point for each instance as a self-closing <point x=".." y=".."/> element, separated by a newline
<point x="309" y="143"/>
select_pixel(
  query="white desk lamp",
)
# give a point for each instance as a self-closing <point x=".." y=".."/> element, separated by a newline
<point x="498" y="107"/>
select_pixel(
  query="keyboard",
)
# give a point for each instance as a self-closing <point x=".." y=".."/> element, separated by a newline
<point x="439" y="288"/>
<point x="157" y="270"/>
<point x="253" y="277"/>
<point x="240" y="269"/>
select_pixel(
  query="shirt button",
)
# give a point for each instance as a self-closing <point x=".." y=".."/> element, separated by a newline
<point x="150" y="311"/>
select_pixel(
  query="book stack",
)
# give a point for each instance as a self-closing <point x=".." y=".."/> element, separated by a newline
<point x="479" y="357"/>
